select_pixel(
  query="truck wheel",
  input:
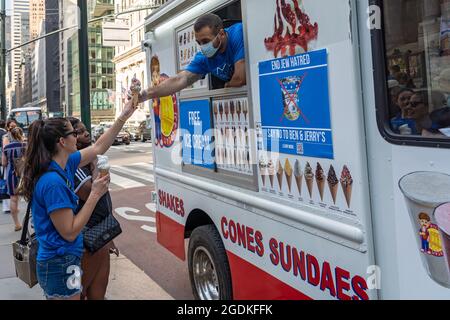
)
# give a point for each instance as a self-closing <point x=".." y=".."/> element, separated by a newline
<point x="209" y="270"/>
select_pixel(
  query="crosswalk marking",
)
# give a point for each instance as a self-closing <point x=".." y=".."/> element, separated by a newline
<point x="123" y="182"/>
<point x="138" y="174"/>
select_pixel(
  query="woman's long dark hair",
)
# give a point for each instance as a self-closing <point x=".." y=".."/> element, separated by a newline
<point x="42" y="140"/>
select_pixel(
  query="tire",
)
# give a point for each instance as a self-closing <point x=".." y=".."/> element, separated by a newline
<point x="205" y="244"/>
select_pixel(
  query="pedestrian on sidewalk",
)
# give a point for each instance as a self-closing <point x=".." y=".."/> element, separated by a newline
<point x="11" y="160"/>
<point x="95" y="266"/>
<point x="6" y="138"/>
<point x="48" y="183"/>
<point x="2" y="133"/>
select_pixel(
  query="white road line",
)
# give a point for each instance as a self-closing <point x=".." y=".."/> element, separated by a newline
<point x="145" y="166"/>
<point x="124" y="182"/>
<point x="135" y="173"/>
<point x="123" y="213"/>
<point x="149" y="229"/>
<point x="151" y="206"/>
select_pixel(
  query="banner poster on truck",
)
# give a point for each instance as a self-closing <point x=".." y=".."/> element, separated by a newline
<point x="295" y="107"/>
<point x="197" y="140"/>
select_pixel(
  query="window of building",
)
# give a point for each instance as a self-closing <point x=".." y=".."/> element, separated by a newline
<point x="414" y="49"/>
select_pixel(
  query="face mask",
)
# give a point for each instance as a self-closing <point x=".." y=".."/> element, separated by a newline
<point x="208" y="49"/>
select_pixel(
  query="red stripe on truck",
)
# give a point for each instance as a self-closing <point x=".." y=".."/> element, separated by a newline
<point x="170" y="234"/>
<point x="252" y="283"/>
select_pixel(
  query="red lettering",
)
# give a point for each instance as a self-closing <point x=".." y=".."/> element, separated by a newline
<point x="160" y="197"/>
<point x="172" y="203"/>
<point x="341" y="285"/>
<point x="274" y="257"/>
<point x="224" y="224"/>
<point x="232" y="230"/>
<point x="287" y="265"/>
<point x="313" y="266"/>
<point x="250" y="239"/>
<point x="182" y="207"/>
<point x="359" y="286"/>
<point x="327" y="279"/>
<point x="299" y="263"/>
<point x="177" y="206"/>
<point x="241" y="235"/>
<point x="259" y="243"/>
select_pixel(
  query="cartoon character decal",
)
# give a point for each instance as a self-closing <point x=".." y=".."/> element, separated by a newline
<point x="429" y="236"/>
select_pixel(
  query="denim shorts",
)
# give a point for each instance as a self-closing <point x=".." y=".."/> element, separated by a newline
<point x="60" y="277"/>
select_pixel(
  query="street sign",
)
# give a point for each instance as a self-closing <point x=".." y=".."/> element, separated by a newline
<point x="116" y="34"/>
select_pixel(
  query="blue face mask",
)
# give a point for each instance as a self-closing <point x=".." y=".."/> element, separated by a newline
<point x="208" y="49"/>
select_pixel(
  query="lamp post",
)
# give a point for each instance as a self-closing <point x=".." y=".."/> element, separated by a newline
<point x="3" y="59"/>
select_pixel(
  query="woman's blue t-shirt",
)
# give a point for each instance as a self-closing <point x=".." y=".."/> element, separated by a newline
<point x="52" y="193"/>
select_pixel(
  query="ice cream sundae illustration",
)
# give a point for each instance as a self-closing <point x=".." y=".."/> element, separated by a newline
<point x="347" y="185"/>
<point x="309" y="178"/>
<point x="298" y="174"/>
<point x="271" y="172"/>
<point x="288" y="172"/>
<point x="280" y="174"/>
<point x="333" y="183"/>
<point x="320" y="179"/>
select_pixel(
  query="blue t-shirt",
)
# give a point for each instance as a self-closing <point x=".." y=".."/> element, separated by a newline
<point x="222" y="64"/>
<point x="52" y="193"/>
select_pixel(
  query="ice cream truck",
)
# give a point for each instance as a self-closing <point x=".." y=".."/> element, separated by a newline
<point x="327" y="176"/>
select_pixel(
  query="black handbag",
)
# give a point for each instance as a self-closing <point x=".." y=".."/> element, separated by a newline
<point x="100" y="233"/>
<point x="25" y="254"/>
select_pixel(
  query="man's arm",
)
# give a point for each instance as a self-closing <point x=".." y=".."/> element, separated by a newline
<point x="168" y="87"/>
<point x="239" y="78"/>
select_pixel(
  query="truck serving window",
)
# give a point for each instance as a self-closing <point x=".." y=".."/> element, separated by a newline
<point x="412" y="59"/>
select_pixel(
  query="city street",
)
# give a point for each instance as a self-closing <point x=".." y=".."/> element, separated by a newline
<point x="132" y="182"/>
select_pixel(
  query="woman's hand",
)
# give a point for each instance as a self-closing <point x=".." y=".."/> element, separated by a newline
<point x="100" y="186"/>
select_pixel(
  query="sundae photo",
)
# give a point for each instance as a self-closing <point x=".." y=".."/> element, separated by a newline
<point x="288" y="173"/>
<point x="271" y="172"/>
<point x="333" y="183"/>
<point x="320" y="179"/>
<point x="280" y="174"/>
<point x="309" y="178"/>
<point x="298" y="174"/>
<point x="347" y="184"/>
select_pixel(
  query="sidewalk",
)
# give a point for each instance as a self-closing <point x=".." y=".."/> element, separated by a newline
<point x="126" y="282"/>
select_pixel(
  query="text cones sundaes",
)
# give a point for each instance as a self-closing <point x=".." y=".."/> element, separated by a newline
<point x="320" y="179"/>
<point x="333" y="183"/>
<point x="347" y="184"/>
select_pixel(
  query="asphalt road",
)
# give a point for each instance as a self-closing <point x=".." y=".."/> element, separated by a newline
<point x="132" y="182"/>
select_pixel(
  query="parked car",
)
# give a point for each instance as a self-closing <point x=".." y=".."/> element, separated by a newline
<point x="122" y="137"/>
<point x="133" y="131"/>
<point x="145" y="130"/>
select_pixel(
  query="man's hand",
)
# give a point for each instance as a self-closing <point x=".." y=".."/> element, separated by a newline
<point x="128" y="110"/>
<point x="239" y="78"/>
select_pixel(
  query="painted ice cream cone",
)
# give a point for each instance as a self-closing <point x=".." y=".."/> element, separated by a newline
<point x="288" y="172"/>
<point x="333" y="183"/>
<point x="263" y="170"/>
<point x="347" y="185"/>
<point x="102" y="165"/>
<point x="298" y="174"/>
<point x="271" y="172"/>
<point x="309" y="178"/>
<point x="280" y="172"/>
<point x="320" y="179"/>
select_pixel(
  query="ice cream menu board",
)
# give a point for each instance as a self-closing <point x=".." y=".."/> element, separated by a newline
<point x="196" y="133"/>
<point x="295" y="108"/>
<point x="187" y="49"/>
<point x="325" y="184"/>
<point x="231" y="123"/>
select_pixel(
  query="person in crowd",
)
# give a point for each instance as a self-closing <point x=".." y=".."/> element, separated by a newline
<point x="418" y="111"/>
<point x="394" y="90"/>
<point x="48" y="183"/>
<point x="440" y="119"/>
<point x="11" y="157"/>
<point x="96" y="265"/>
<point x="2" y="133"/>
<point x="444" y="84"/>
<point x="6" y="138"/>
<point x="222" y="54"/>
<point x="401" y="120"/>
<point x="405" y="80"/>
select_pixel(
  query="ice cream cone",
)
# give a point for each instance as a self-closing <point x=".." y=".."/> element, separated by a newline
<point x="280" y="179"/>
<point x="309" y="184"/>
<point x="289" y="180"/>
<point x="321" y="186"/>
<point x="333" y="190"/>
<point x="103" y="172"/>
<point x="348" y="193"/>
<point x="271" y="180"/>
<point x="299" y="179"/>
